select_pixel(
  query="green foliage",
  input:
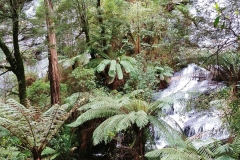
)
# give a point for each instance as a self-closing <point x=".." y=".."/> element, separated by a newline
<point x="122" y="113"/>
<point x="232" y="114"/>
<point x="117" y="66"/>
<point x="39" y="93"/>
<point x="33" y="128"/>
<point x="213" y="149"/>
<point x="80" y="60"/>
<point x="49" y="153"/>
<point x="81" y="80"/>
<point x="164" y="72"/>
<point x="7" y="146"/>
<point x="63" y="145"/>
<point x="144" y="77"/>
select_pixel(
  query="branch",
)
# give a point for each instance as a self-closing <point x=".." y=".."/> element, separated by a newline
<point x="11" y="60"/>
<point x="4" y="15"/>
<point x="6" y="67"/>
<point x="4" y="72"/>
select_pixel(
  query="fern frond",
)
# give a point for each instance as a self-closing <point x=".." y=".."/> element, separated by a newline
<point x="103" y="65"/>
<point x="94" y="113"/>
<point x="173" y="154"/>
<point x="128" y="67"/>
<point x="112" y="69"/>
<point x="81" y="59"/>
<point x="162" y="102"/>
<point x="166" y="132"/>
<point x="126" y="122"/>
<point x="33" y="128"/>
<point x="212" y="149"/>
<point x="119" y="71"/>
<point x="142" y="119"/>
<point x="225" y="157"/>
<point x="95" y="62"/>
<point x="223" y="149"/>
<point x="130" y="59"/>
<point x="106" y="130"/>
<point x="134" y="93"/>
<point x="98" y="102"/>
<point x="104" y="55"/>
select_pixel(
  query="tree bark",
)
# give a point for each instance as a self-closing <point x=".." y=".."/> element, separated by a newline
<point x="15" y="60"/>
<point x="138" y="144"/>
<point x="36" y="154"/>
<point x="53" y="59"/>
<point x="100" y="21"/>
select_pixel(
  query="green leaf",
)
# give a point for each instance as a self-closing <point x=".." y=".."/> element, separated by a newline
<point x="110" y="80"/>
<point x="48" y="151"/>
<point x="119" y="72"/>
<point x="217" y="8"/>
<point x="103" y="65"/>
<point x="215" y="24"/>
<point x="112" y="69"/>
<point x="161" y="77"/>
<point x="127" y="66"/>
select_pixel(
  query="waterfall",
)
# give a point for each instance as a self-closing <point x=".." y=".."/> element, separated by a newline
<point x="186" y="84"/>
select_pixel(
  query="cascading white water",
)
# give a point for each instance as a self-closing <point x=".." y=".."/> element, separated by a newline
<point x="186" y="84"/>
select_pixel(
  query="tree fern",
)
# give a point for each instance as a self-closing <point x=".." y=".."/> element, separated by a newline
<point x="33" y="128"/>
<point x="125" y="114"/>
<point x="103" y="65"/>
<point x="81" y="59"/>
<point x="173" y="154"/>
<point x="115" y="65"/>
<point x="106" y="131"/>
<point x="211" y="150"/>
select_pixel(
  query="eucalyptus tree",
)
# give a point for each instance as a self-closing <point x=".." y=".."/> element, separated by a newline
<point x="127" y="115"/>
<point x="10" y="11"/>
<point x="53" y="59"/>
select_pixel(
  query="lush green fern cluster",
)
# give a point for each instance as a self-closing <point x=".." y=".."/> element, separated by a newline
<point x="33" y="128"/>
<point x="124" y="115"/>
<point x="189" y="150"/>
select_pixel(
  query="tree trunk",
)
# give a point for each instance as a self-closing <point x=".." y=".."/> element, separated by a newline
<point x="100" y="21"/>
<point x="83" y="20"/>
<point x="36" y="154"/>
<point x="15" y="60"/>
<point x="138" y="144"/>
<point x="53" y="59"/>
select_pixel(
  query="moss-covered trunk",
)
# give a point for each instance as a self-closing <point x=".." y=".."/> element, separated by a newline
<point x="15" y="60"/>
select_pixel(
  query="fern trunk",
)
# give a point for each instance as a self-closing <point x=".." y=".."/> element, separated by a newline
<point x="36" y="153"/>
<point x="138" y="144"/>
